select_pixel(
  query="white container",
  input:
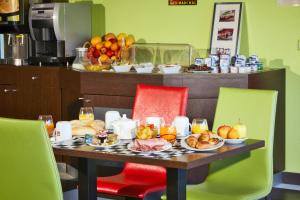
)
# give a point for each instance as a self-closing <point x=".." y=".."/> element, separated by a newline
<point x="145" y="68"/>
<point x="110" y="117"/>
<point x="248" y="69"/>
<point x="63" y="131"/>
<point x="215" y="70"/>
<point x="182" y="125"/>
<point x="169" y="69"/>
<point x="234" y="70"/>
<point x="224" y="70"/>
<point x="122" y="68"/>
<point x="242" y="70"/>
<point x="125" y="128"/>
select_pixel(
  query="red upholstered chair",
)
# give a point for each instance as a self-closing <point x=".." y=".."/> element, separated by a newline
<point x="138" y="180"/>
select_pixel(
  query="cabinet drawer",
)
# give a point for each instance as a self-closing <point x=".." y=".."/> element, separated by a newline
<point x="42" y="77"/>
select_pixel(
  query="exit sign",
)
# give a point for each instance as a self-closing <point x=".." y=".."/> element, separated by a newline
<point x="182" y="2"/>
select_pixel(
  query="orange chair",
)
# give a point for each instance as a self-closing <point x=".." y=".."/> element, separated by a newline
<point x="138" y="180"/>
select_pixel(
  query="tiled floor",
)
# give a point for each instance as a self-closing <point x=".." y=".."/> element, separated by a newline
<point x="283" y="194"/>
<point x="277" y="194"/>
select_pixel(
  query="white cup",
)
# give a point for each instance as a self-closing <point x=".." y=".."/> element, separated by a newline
<point x="111" y="116"/>
<point x="156" y="121"/>
<point x="182" y="125"/>
<point x="63" y="131"/>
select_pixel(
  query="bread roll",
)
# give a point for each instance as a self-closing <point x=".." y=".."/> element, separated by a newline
<point x="98" y="125"/>
<point x="81" y="131"/>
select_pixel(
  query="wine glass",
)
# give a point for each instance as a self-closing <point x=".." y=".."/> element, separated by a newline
<point x="48" y="123"/>
<point x="86" y="114"/>
<point x="199" y="125"/>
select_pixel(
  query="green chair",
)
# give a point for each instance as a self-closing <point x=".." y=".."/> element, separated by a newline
<point x="28" y="169"/>
<point x="248" y="176"/>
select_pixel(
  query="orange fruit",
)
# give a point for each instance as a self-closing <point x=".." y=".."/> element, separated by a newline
<point x="103" y="58"/>
<point x="99" y="45"/>
<point x="121" y="36"/>
<point x="109" y="36"/>
<point x="129" y="40"/>
<point x="233" y="134"/>
<point x="95" y="40"/>
<point x="107" y="44"/>
<point x="114" y="46"/>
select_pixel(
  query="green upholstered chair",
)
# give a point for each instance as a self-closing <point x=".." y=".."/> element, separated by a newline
<point x="28" y="169"/>
<point x="244" y="177"/>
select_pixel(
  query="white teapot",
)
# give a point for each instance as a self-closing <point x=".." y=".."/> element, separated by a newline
<point x="125" y="128"/>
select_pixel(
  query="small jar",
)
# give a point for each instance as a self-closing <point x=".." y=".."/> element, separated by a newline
<point x="81" y="59"/>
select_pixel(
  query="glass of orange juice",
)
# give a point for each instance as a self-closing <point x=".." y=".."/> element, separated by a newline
<point x="168" y="132"/>
<point x="199" y="125"/>
<point x="86" y="114"/>
<point x="48" y="123"/>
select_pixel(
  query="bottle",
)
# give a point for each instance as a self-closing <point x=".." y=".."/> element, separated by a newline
<point x="81" y="59"/>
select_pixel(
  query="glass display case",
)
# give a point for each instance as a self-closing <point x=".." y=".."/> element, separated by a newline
<point x="165" y="53"/>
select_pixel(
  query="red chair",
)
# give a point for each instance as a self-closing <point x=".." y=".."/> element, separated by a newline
<point x="138" y="180"/>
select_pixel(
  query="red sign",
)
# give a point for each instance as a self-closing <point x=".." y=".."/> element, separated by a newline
<point x="182" y="2"/>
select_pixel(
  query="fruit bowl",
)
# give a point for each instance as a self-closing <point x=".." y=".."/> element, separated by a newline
<point x="96" y="67"/>
<point x="169" y="69"/>
<point x="145" y="132"/>
<point x="144" y="68"/>
<point x="121" y="68"/>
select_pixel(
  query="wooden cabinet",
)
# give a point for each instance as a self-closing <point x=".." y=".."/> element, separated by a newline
<point x="27" y="92"/>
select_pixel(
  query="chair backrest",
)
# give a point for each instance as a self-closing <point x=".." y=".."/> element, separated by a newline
<point x="256" y="109"/>
<point x="28" y="169"/>
<point x="159" y="101"/>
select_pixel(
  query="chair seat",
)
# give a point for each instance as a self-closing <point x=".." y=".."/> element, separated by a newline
<point x="133" y="186"/>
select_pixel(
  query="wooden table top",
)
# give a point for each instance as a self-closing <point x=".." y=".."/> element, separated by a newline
<point x="186" y="161"/>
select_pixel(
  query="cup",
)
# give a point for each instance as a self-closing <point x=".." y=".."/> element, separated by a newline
<point x="86" y="114"/>
<point x="156" y="121"/>
<point x="199" y="126"/>
<point x="48" y="123"/>
<point x="182" y="125"/>
<point x="111" y="116"/>
<point x="63" y="131"/>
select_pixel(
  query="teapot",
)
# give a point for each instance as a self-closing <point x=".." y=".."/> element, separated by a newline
<point x="125" y="128"/>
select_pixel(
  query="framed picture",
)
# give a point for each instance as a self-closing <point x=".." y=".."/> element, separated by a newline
<point x="225" y="33"/>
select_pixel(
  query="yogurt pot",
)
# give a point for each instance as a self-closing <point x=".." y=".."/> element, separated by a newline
<point x="224" y="70"/>
<point x="234" y="70"/>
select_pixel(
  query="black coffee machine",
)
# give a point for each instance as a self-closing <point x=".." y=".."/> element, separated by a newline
<point x="56" y="30"/>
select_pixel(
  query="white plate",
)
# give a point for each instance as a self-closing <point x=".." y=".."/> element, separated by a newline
<point x="103" y="146"/>
<point x="185" y="145"/>
<point x="131" y="144"/>
<point x="235" y="141"/>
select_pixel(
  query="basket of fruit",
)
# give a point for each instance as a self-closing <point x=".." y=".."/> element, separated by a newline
<point x="106" y="50"/>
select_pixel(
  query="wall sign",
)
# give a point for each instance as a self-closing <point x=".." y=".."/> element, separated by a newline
<point x="182" y="2"/>
<point x="226" y="28"/>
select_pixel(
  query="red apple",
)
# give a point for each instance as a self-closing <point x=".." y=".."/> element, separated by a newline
<point x="96" y="54"/>
<point x="110" y="53"/>
<point x="103" y="50"/>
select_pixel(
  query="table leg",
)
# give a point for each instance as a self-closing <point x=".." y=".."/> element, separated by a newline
<point x="176" y="184"/>
<point x="87" y="179"/>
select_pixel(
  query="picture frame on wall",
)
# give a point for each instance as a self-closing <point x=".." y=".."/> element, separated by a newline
<point x="226" y="26"/>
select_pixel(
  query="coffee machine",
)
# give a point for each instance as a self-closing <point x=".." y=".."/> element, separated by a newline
<point x="56" y="30"/>
<point x="14" y="48"/>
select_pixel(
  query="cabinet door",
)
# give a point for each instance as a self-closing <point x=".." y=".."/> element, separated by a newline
<point x="37" y="95"/>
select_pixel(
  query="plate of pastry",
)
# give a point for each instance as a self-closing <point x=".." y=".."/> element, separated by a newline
<point x="206" y="141"/>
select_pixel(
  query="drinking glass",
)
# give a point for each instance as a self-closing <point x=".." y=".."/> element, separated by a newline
<point x="199" y="125"/>
<point x="86" y="114"/>
<point x="168" y="132"/>
<point x="48" y="123"/>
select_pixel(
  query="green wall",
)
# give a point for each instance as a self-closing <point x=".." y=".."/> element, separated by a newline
<point x="270" y="31"/>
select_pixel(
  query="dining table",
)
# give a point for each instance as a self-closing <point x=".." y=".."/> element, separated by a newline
<point x="177" y="161"/>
